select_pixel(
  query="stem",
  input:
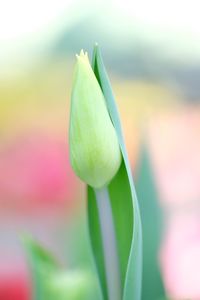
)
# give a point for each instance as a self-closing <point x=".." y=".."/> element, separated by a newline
<point x="109" y="244"/>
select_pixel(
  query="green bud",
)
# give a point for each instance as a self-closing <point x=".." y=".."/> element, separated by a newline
<point x="94" y="149"/>
<point x="71" y="285"/>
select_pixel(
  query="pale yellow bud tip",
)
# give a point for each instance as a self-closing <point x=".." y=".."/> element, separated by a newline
<point x="83" y="56"/>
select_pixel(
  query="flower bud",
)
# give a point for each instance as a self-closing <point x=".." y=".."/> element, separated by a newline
<point x="94" y="149"/>
<point x="73" y="285"/>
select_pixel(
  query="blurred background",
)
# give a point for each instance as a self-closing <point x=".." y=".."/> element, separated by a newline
<point x="151" y="50"/>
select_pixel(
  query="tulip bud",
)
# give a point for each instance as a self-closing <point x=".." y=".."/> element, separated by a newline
<point x="73" y="285"/>
<point x="94" y="149"/>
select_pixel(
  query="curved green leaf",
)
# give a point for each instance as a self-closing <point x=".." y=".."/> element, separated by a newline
<point x="124" y="208"/>
<point x="51" y="282"/>
<point x="151" y="215"/>
<point x="42" y="266"/>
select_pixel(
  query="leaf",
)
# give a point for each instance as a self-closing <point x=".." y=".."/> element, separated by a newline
<point x="151" y="215"/>
<point x="42" y="265"/>
<point x="124" y="208"/>
<point x="51" y="282"/>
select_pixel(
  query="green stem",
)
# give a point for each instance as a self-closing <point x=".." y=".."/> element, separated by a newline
<point x="109" y="244"/>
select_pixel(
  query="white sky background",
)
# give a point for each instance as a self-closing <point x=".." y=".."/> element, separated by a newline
<point x="26" y="27"/>
<point x="23" y="17"/>
<point x="174" y="24"/>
